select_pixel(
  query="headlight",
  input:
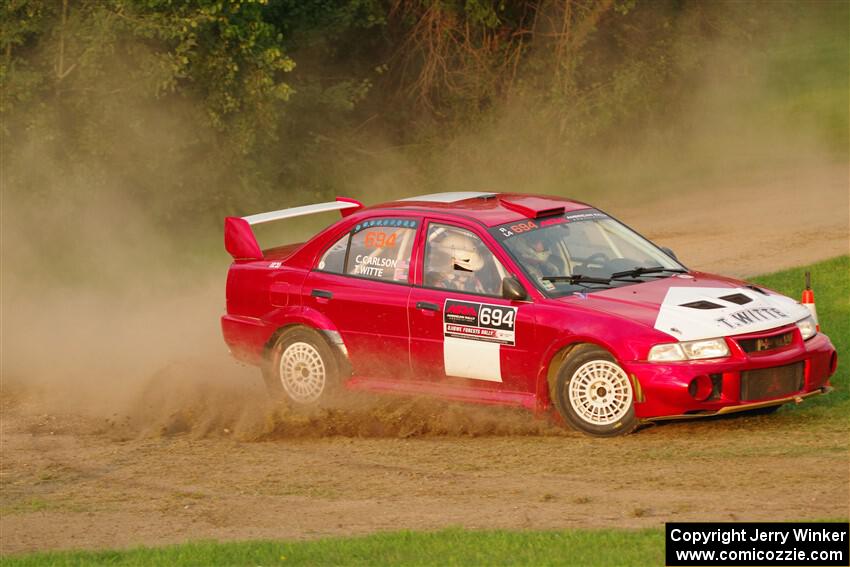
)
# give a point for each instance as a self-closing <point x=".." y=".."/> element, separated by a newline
<point x="711" y="348"/>
<point x="670" y="351"/>
<point x="808" y="327"/>
<point x="689" y="350"/>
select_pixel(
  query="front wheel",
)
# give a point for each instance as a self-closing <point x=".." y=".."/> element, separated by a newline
<point x="301" y="368"/>
<point x="594" y="394"/>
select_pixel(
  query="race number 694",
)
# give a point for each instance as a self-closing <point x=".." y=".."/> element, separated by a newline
<point x="496" y="317"/>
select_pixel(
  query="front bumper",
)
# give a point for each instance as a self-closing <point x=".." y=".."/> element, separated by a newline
<point x="726" y="410"/>
<point x="662" y="388"/>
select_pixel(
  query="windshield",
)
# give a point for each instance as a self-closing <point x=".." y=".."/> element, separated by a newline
<point x="583" y="251"/>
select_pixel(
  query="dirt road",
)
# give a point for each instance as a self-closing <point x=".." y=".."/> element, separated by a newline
<point x="66" y="489"/>
<point x="195" y="451"/>
<point x="783" y="219"/>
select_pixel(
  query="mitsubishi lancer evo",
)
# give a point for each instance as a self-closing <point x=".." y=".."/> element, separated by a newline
<point x="520" y="300"/>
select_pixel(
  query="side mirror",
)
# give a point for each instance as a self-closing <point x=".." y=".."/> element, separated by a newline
<point x="669" y="252"/>
<point x="512" y="289"/>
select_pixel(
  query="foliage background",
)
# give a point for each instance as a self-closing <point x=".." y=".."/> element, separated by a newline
<point x="142" y="122"/>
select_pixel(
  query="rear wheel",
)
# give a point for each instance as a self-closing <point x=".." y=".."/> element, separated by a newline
<point x="594" y="394"/>
<point x="301" y="368"/>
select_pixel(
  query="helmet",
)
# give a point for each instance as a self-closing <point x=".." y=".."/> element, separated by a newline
<point x="462" y="250"/>
<point x="536" y="248"/>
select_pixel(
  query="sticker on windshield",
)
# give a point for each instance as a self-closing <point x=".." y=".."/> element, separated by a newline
<point x="585" y="214"/>
<point x="392" y="223"/>
<point x="479" y="321"/>
<point x="509" y="230"/>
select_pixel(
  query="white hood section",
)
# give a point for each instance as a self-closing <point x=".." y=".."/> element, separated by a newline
<point x="709" y="315"/>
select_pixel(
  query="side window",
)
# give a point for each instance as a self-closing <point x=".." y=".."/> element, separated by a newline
<point x="457" y="259"/>
<point x="381" y="248"/>
<point x="334" y="258"/>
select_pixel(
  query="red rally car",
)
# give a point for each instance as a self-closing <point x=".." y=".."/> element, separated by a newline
<point x="511" y="299"/>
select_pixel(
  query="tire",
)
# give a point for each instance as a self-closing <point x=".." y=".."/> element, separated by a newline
<point x="301" y="368"/>
<point x="593" y="393"/>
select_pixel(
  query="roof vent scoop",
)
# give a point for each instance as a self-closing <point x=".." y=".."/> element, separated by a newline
<point x="532" y="207"/>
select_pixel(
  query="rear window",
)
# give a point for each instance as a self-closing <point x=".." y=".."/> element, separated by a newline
<point x="334" y="259"/>
<point x="377" y="249"/>
<point x="381" y="252"/>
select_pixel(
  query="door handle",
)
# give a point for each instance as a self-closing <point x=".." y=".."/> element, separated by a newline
<point x="321" y="293"/>
<point x="427" y="306"/>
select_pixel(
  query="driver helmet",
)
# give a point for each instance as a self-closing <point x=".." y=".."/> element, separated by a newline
<point x="462" y="251"/>
<point x="537" y="248"/>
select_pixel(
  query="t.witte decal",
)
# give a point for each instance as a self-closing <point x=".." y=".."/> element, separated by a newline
<point x="275" y="265"/>
<point x="746" y="317"/>
<point x="372" y="266"/>
<point x="692" y="313"/>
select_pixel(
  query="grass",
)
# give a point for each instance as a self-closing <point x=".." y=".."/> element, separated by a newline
<point x="35" y="504"/>
<point x="30" y="505"/>
<point x="445" y="547"/>
<point x="831" y="284"/>
<point x="806" y="81"/>
<point x="494" y="547"/>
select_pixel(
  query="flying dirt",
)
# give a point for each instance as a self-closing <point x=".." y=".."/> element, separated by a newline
<point x="114" y="435"/>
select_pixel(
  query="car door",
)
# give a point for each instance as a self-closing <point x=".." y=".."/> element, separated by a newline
<point x="362" y="284"/>
<point x="462" y="330"/>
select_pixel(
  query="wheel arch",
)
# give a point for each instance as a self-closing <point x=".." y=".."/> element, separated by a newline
<point x="555" y="357"/>
<point x="283" y="318"/>
<point x="330" y="335"/>
<point x="564" y="363"/>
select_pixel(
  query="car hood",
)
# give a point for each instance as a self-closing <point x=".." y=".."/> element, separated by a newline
<point x="696" y="306"/>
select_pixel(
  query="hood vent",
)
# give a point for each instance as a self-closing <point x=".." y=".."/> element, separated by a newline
<point x="701" y="305"/>
<point x="738" y="298"/>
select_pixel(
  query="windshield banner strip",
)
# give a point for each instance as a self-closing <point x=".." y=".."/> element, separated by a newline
<point x="510" y="229"/>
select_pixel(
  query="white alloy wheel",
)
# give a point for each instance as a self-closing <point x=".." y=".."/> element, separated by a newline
<point x="600" y="392"/>
<point x="302" y="372"/>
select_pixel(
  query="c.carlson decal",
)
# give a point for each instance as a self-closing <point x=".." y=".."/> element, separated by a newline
<point x="372" y="266"/>
<point x="479" y="321"/>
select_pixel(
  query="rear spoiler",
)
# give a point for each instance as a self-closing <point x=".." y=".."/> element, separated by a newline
<point x="239" y="239"/>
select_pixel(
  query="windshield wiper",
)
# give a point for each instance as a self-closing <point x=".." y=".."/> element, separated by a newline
<point x="577" y="279"/>
<point x="642" y="271"/>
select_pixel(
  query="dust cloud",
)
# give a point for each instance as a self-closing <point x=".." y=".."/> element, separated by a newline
<point x="110" y="305"/>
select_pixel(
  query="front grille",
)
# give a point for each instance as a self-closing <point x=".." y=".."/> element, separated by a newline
<point x="762" y="344"/>
<point x="771" y="382"/>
